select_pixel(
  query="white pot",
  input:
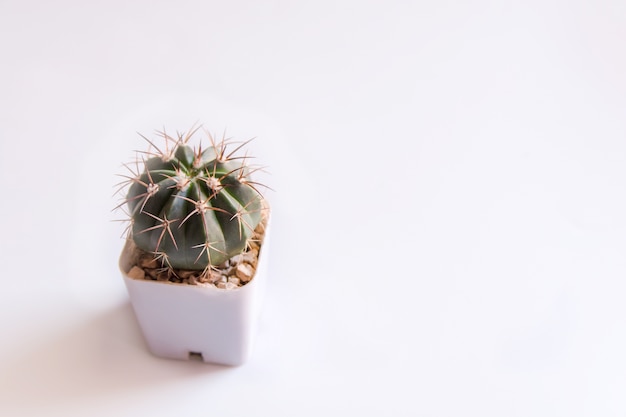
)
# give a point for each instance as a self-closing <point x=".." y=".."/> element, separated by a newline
<point x="181" y="321"/>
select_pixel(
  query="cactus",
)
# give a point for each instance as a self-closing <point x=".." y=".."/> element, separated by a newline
<point x="192" y="208"/>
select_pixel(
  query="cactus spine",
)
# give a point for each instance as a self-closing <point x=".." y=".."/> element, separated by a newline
<point x="193" y="208"/>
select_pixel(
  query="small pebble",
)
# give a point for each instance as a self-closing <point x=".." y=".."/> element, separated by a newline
<point x="250" y="257"/>
<point x="236" y="259"/>
<point x="136" y="273"/>
<point x="148" y="262"/>
<point x="186" y="274"/>
<point x="244" y="272"/>
<point x="214" y="277"/>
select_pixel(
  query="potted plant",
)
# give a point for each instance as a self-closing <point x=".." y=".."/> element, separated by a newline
<point x="192" y="260"/>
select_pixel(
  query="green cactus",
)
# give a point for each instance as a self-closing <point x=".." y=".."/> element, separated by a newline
<point x="193" y="208"/>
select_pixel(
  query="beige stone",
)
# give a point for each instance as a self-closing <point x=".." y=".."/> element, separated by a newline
<point x="235" y="260"/>
<point x="244" y="272"/>
<point x="147" y="261"/>
<point x="136" y="273"/>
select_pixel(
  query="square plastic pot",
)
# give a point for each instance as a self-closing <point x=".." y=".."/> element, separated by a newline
<point x="181" y="321"/>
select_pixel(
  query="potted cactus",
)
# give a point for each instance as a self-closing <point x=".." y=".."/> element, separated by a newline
<point x="192" y="260"/>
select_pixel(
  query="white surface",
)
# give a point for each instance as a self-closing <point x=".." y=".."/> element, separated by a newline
<point x="449" y="230"/>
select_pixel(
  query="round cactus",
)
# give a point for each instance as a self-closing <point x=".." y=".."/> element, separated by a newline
<point x="193" y="208"/>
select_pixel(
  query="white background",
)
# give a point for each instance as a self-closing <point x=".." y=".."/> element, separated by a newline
<point x="449" y="215"/>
